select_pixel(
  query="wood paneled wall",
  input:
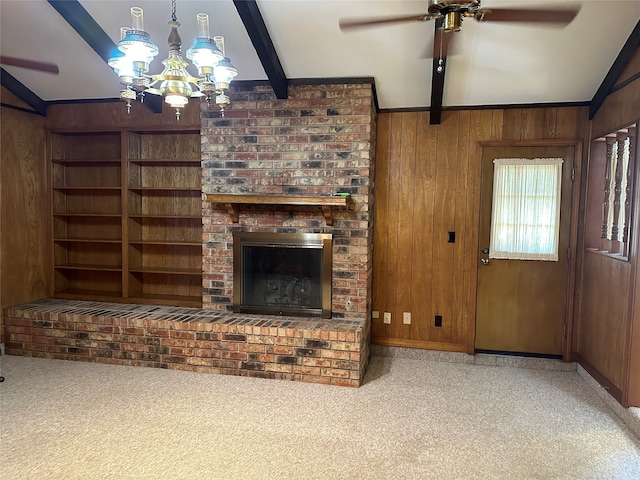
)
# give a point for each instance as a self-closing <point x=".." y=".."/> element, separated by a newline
<point x="24" y="199"/>
<point x="428" y="184"/>
<point x="105" y="115"/>
<point x="606" y="336"/>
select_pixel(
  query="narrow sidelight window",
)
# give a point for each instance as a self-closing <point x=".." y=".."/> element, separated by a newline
<point x="525" y="218"/>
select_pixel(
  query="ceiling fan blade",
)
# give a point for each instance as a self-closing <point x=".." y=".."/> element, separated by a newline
<point x="352" y="23"/>
<point x="30" y="64"/>
<point x="557" y="16"/>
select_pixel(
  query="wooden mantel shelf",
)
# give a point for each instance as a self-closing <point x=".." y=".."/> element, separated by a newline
<point x="232" y="202"/>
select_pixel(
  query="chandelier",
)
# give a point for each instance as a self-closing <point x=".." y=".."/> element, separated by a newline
<point x="136" y="51"/>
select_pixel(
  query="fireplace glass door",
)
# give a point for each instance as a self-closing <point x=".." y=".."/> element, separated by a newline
<point x="282" y="274"/>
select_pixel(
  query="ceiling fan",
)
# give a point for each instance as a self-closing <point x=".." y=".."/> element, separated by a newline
<point x="30" y="64"/>
<point x="453" y="12"/>
<point x="448" y="16"/>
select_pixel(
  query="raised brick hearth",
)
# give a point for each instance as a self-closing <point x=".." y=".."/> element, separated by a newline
<point x="190" y="339"/>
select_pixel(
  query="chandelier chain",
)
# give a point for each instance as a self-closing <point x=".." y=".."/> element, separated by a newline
<point x="173" y="11"/>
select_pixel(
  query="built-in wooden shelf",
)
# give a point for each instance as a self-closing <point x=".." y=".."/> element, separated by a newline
<point x="79" y="266"/>
<point x="84" y="189"/>
<point x="82" y="162"/>
<point x="165" y="242"/>
<point x="166" y="217"/>
<point x="88" y="215"/>
<point x="167" y="162"/>
<point x="166" y="270"/>
<point x="86" y="240"/>
<point x="186" y="190"/>
<point x="232" y="202"/>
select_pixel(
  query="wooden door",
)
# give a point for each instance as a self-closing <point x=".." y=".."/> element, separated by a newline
<point x="521" y="304"/>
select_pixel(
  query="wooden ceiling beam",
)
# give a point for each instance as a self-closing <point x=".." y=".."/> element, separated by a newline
<point x="92" y="33"/>
<point x="259" y="35"/>
<point x="622" y="60"/>
<point x="9" y="82"/>
<point x="440" y="47"/>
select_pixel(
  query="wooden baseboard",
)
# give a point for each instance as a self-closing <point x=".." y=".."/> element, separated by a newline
<point x="614" y="391"/>
<point x="401" y="342"/>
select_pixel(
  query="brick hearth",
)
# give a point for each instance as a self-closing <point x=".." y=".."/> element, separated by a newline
<point x="190" y="339"/>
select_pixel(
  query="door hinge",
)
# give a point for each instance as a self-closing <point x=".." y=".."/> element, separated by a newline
<point x="573" y="174"/>
<point x="568" y="253"/>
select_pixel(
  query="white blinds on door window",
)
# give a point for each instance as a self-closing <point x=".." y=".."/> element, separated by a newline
<point x="525" y="217"/>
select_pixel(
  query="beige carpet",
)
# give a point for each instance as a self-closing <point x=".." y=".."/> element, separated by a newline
<point x="412" y="419"/>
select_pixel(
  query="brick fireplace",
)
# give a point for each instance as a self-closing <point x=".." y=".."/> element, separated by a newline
<point x="312" y="146"/>
<point x="286" y="155"/>
<point x="319" y="142"/>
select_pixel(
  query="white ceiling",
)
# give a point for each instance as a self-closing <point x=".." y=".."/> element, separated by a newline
<point x="491" y="63"/>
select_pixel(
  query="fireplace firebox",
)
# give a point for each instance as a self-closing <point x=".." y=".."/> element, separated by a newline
<point x="282" y="273"/>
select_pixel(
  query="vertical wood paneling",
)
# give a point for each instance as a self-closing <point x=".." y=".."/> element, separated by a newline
<point x="423" y="206"/>
<point x="497" y="124"/>
<point x="512" y="124"/>
<point x="463" y="191"/>
<point x="393" y="223"/>
<point x="444" y="222"/>
<point x="532" y="123"/>
<point x="550" y="122"/>
<point x="404" y="251"/>
<point x="104" y="115"/>
<point x="567" y="122"/>
<point x="380" y="234"/>
<point x="25" y="251"/>
<point x="425" y="190"/>
<point x="604" y="315"/>
<point x="608" y="316"/>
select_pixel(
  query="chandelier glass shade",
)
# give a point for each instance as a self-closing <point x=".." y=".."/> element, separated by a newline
<point x="136" y="51"/>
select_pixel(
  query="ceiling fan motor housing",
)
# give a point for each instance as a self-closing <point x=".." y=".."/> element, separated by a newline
<point x="442" y="7"/>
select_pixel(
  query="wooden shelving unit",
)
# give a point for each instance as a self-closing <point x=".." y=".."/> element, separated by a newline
<point x="127" y="222"/>
<point x="87" y="214"/>
<point x="164" y="217"/>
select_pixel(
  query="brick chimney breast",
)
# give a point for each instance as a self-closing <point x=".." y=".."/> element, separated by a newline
<point x="318" y="142"/>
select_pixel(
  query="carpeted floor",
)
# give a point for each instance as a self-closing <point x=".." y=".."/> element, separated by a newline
<point x="412" y="419"/>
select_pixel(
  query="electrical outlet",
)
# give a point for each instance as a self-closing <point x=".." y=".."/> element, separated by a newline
<point x="438" y="321"/>
<point x="375" y="314"/>
<point x="387" y="317"/>
<point x="406" y="318"/>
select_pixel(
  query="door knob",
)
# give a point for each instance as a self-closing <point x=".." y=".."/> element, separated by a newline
<point x="485" y="261"/>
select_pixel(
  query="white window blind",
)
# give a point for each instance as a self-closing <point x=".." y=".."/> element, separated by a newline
<point x="525" y="218"/>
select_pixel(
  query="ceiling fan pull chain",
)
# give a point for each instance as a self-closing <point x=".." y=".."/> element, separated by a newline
<point x="173" y="11"/>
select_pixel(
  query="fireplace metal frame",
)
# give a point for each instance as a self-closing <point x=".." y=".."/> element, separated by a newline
<point x="323" y="241"/>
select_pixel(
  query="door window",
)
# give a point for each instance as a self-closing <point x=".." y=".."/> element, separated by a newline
<point x="525" y="218"/>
